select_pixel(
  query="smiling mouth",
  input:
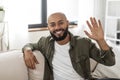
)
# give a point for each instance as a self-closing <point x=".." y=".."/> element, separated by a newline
<point x="58" y="32"/>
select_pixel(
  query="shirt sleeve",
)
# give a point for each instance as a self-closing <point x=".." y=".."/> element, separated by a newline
<point x="106" y="57"/>
<point x="35" y="46"/>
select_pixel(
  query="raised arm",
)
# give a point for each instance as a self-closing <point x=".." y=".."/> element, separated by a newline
<point x="106" y="55"/>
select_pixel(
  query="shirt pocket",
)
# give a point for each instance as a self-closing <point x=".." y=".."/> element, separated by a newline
<point x="83" y="62"/>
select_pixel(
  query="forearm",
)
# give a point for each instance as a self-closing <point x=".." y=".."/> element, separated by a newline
<point x="103" y="45"/>
<point x="107" y="54"/>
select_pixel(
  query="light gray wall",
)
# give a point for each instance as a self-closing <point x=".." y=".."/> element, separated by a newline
<point x="99" y="10"/>
<point x="35" y="36"/>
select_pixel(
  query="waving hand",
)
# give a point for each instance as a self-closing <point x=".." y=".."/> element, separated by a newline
<point x="96" y="29"/>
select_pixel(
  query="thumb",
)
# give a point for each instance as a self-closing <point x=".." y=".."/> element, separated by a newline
<point x="87" y="34"/>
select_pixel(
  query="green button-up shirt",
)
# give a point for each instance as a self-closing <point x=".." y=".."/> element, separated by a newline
<point x="81" y="50"/>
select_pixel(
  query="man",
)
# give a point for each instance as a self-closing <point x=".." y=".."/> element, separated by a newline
<point x="67" y="56"/>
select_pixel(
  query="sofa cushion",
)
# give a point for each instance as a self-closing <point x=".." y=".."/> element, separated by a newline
<point x="12" y="66"/>
<point x="37" y="74"/>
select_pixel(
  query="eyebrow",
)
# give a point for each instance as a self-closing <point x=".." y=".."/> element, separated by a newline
<point x="58" y="21"/>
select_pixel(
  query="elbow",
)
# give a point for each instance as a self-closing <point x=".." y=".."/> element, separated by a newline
<point x="113" y="63"/>
<point x="110" y="62"/>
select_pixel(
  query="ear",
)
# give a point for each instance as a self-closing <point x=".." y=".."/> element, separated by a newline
<point x="67" y="22"/>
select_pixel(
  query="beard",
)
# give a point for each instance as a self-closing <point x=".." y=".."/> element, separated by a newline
<point x="60" y="38"/>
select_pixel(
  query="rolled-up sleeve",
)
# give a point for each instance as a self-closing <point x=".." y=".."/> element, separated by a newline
<point x="106" y="57"/>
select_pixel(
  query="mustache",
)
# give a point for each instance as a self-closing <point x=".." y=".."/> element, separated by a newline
<point x="58" y="30"/>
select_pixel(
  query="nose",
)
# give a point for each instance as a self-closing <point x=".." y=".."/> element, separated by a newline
<point x="57" y="27"/>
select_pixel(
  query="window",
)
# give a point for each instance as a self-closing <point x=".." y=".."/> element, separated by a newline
<point x="43" y="16"/>
<point x="70" y="8"/>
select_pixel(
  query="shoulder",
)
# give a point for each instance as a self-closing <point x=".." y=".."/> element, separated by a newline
<point x="44" y="38"/>
<point x="82" y="39"/>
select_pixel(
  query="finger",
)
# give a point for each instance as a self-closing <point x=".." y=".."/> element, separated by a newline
<point x="36" y="61"/>
<point x="91" y="19"/>
<point x="89" y="25"/>
<point x="95" y="23"/>
<point x="87" y="34"/>
<point x="99" y="22"/>
<point x="28" y="64"/>
<point x="33" y="64"/>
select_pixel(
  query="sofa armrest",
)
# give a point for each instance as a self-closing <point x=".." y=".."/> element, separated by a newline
<point x="37" y="74"/>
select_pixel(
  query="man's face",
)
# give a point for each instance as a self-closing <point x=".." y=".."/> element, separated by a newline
<point x="58" y="26"/>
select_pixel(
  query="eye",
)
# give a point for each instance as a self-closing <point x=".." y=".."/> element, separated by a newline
<point x="52" y="25"/>
<point x="61" y="23"/>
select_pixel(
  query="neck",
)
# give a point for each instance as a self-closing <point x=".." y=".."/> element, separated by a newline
<point x="66" y="40"/>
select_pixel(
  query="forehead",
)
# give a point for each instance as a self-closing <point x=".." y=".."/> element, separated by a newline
<point x="56" y="18"/>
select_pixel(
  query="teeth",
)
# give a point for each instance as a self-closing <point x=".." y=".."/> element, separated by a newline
<point x="58" y="32"/>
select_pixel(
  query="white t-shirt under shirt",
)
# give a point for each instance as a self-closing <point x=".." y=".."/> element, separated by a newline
<point x="62" y="66"/>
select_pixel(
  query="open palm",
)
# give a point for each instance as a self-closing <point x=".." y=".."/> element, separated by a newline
<point x="96" y="29"/>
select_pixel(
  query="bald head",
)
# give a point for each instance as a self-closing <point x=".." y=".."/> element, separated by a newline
<point x="57" y="16"/>
<point x="58" y="26"/>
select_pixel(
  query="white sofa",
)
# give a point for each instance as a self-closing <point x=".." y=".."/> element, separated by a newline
<point x="12" y="66"/>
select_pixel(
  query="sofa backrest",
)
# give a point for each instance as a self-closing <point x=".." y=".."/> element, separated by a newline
<point x="12" y="66"/>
